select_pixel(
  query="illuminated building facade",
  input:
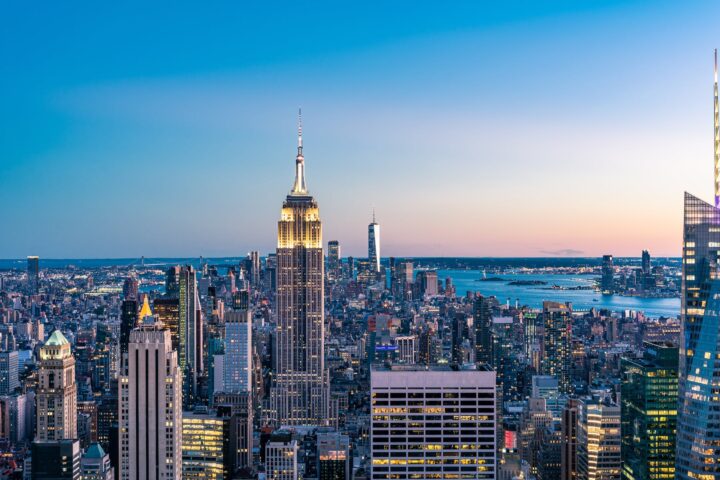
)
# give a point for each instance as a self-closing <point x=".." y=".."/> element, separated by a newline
<point x="568" y="452"/>
<point x="649" y="413"/>
<point x="698" y="447"/>
<point x="558" y="343"/>
<point x="482" y="324"/>
<point x="432" y="423"/>
<point x="333" y="452"/>
<point x="205" y="446"/>
<point x="150" y="419"/>
<point x="190" y="334"/>
<point x="57" y="392"/>
<point x="374" y="245"/>
<point x="299" y="395"/>
<point x="598" y="440"/>
<point x="281" y="457"/>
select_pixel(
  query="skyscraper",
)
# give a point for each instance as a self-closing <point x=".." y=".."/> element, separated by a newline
<point x="374" y="245"/>
<point x="56" y="392"/>
<point x="568" y="452"/>
<point x="482" y="324"/>
<point x="130" y="288"/>
<point x="205" y="446"/>
<point x="598" y="437"/>
<point x="645" y="265"/>
<point x="697" y="430"/>
<point x="558" y="343"/>
<point x="334" y="258"/>
<point x="300" y="395"/>
<point x="697" y="453"/>
<point x="190" y="334"/>
<point x="607" y="284"/>
<point x="128" y="320"/>
<point x="237" y="369"/>
<point x="150" y="406"/>
<point x="432" y="423"/>
<point x="33" y="273"/>
<point x="648" y="413"/>
<point x="9" y="379"/>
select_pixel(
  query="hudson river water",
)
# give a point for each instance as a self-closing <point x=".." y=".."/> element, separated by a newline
<point x="534" y="295"/>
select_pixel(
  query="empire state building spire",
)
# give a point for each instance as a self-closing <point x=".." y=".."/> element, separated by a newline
<point x="716" y="131"/>
<point x="299" y="188"/>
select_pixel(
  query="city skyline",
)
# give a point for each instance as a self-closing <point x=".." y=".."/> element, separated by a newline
<point x="432" y="106"/>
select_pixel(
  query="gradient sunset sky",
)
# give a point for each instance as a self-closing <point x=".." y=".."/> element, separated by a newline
<point x="474" y="129"/>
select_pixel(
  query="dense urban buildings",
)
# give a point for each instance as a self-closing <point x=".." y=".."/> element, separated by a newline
<point x="301" y="363"/>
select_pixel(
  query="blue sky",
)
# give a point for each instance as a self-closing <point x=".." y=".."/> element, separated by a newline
<point x="473" y="128"/>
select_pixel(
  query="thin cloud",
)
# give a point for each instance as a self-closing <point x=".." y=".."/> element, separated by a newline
<point x="563" y="252"/>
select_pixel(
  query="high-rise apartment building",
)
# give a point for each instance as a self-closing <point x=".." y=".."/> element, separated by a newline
<point x="607" y="279"/>
<point x="300" y="392"/>
<point x="131" y="287"/>
<point x="568" y="445"/>
<point x="333" y="259"/>
<point x="190" y="334"/>
<point x="33" y="274"/>
<point x="427" y="283"/>
<point x="432" y="423"/>
<point x="150" y="420"/>
<point x="56" y="393"/>
<point x="648" y="413"/>
<point x="645" y="263"/>
<point x="558" y="343"/>
<point x="237" y="362"/>
<point x="482" y="324"/>
<point x="374" y="245"/>
<point x="598" y="440"/>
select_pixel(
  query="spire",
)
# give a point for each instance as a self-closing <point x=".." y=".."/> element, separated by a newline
<point x="374" y="215"/>
<point x="299" y="187"/>
<point x="145" y="310"/>
<point x="716" y="131"/>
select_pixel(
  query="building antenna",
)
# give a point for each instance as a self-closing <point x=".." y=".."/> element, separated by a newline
<point x="716" y="149"/>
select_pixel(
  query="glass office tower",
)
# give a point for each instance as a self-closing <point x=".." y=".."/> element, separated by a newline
<point x="649" y="413"/>
<point x="698" y="423"/>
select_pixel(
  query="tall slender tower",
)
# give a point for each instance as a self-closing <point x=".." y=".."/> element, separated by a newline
<point x="190" y="334"/>
<point x="374" y="245"/>
<point x="57" y="392"/>
<point x="697" y="426"/>
<point x="299" y="394"/>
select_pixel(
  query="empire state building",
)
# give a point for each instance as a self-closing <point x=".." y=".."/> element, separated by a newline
<point x="299" y="395"/>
